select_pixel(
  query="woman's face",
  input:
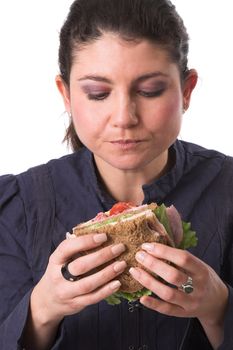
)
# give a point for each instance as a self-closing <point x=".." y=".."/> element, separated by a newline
<point x="126" y="102"/>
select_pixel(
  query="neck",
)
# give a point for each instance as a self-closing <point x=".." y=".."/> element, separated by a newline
<point x="126" y="185"/>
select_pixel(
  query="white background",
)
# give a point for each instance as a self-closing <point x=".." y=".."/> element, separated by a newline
<point x="32" y="118"/>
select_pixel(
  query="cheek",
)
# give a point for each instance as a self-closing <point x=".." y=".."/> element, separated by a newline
<point x="171" y="110"/>
<point x="165" y="120"/>
<point x="80" y="120"/>
<point x="166" y="115"/>
<point x="173" y="103"/>
<point x="87" y="124"/>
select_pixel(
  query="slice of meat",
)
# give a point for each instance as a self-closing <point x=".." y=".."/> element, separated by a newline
<point x="175" y="224"/>
<point x="160" y="232"/>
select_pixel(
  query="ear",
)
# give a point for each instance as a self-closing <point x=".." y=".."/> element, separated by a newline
<point x="64" y="91"/>
<point x="188" y="87"/>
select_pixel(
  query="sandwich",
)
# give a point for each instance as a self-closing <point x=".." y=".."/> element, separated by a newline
<point x="132" y="226"/>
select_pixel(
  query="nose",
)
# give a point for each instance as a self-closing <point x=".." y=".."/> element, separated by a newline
<point x="124" y="114"/>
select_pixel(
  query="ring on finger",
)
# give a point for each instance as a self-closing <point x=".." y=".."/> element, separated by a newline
<point x="187" y="287"/>
<point x="66" y="273"/>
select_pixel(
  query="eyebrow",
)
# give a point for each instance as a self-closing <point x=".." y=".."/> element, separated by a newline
<point x="137" y="80"/>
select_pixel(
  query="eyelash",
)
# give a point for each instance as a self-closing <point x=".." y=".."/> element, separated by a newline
<point x="98" y="97"/>
<point x="152" y="94"/>
<point x="103" y="96"/>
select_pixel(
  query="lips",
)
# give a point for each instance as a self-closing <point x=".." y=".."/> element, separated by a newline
<point x="126" y="144"/>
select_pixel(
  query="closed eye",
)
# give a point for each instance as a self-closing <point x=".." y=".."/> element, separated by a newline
<point x="103" y="95"/>
<point x="98" y="97"/>
<point x="151" y="94"/>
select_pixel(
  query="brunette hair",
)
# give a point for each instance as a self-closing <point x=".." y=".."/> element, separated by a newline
<point x="154" y="20"/>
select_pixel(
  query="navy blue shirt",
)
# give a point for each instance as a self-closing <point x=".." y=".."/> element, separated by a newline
<point x="40" y="205"/>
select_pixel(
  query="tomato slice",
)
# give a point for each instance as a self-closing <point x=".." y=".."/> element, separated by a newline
<point x="120" y="207"/>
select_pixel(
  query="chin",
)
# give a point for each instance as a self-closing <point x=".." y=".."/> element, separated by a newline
<point x="134" y="161"/>
<point x="128" y="163"/>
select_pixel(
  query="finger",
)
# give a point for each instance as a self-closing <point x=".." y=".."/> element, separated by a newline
<point x="96" y="296"/>
<point x="69" y="290"/>
<point x="70" y="247"/>
<point x="179" y="257"/>
<point x="161" y="268"/>
<point x="90" y="283"/>
<point x="163" y="291"/>
<point x="87" y="262"/>
<point x="163" y="307"/>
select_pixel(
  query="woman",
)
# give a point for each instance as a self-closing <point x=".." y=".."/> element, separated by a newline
<point x="125" y="82"/>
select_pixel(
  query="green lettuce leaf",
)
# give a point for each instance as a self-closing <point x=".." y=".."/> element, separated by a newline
<point x="189" y="238"/>
<point x="161" y="215"/>
<point x="115" y="298"/>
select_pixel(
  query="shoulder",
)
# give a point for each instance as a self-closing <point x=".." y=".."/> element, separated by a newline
<point x="75" y="170"/>
<point x="210" y="175"/>
<point x="209" y="160"/>
<point x="21" y="193"/>
<point x="12" y="210"/>
<point x="18" y="192"/>
<point x="27" y="182"/>
<point x="80" y="158"/>
<point x="8" y="189"/>
<point x="196" y="150"/>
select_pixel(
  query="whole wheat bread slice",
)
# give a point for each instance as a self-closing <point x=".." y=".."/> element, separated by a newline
<point x="132" y="233"/>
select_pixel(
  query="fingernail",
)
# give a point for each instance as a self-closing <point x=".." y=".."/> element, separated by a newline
<point x="70" y="235"/>
<point x="119" y="266"/>
<point x="100" y="238"/>
<point x="115" y="285"/>
<point x="148" y="246"/>
<point x="118" y="249"/>
<point x="134" y="272"/>
<point x="140" y="256"/>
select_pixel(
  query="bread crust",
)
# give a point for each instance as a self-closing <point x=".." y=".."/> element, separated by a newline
<point x="132" y="233"/>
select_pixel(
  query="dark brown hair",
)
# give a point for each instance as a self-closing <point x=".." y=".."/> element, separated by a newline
<point x="155" y="20"/>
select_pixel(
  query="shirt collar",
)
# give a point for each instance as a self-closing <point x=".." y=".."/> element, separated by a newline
<point x="160" y="188"/>
<point x="94" y="179"/>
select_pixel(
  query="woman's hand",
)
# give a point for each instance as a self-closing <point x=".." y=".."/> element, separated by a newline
<point x="63" y="297"/>
<point x="54" y="297"/>
<point x="208" y="300"/>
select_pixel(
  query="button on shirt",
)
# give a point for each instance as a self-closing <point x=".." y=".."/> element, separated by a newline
<point x="40" y="205"/>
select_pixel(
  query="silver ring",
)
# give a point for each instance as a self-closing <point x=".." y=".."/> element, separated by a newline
<point x="66" y="273"/>
<point x="188" y="286"/>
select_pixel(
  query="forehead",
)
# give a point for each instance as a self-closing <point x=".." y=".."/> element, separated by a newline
<point x="111" y="52"/>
